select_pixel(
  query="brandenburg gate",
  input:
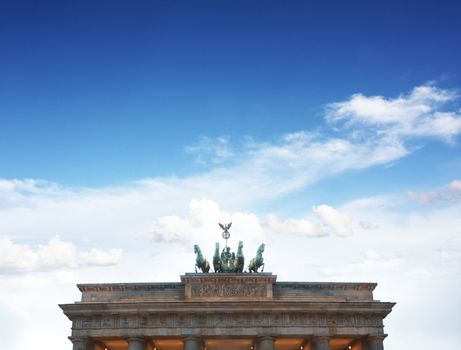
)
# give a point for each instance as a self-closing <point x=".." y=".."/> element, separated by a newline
<point x="227" y="310"/>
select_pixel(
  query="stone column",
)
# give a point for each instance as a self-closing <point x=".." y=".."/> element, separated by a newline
<point x="81" y="343"/>
<point x="374" y="342"/>
<point x="136" y="344"/>
<point x="320" y="343"/>
<point x="192" y="343"/>
<point x="265" y="343"/>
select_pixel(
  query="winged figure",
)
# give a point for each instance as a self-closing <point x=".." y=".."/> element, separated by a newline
<point x="226" y="227"/>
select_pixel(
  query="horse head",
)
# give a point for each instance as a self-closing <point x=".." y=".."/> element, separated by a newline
<point x="240" y="246"/>
<point x="261" y="247"/>
<point x="196" y="249"/>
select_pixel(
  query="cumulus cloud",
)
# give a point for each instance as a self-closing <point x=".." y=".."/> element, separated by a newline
<point x="201" y="225"/>
<point x="204" y="214"/>
<point x="339" y="223"/>
<point x="419" y="113"/>
<point x="325" y="220"/>
<point x="55" y="255"/>
<point x="96" y="257"/>
<point x="298" y="227"/>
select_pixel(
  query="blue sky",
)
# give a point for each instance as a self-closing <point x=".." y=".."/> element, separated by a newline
<point x="111" y="91"/>
<point x="328" y="130"/>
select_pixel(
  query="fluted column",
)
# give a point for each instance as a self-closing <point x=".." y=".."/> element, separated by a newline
<point x="265" y="343"/>
<point x="136" y="343"/>
<point x="374" y="342"/>
<point x="192" y="343"/>
<point x="81" y="343"/>
<point x="320" y="343"/>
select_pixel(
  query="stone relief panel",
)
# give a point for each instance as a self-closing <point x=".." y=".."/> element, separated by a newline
<point x="164" y="320"/>
<point x="228" y="290"/>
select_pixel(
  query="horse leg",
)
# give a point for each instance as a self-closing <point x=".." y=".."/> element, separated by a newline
<point x="262" y="270"/>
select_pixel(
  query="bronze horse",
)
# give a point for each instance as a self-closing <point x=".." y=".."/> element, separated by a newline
<point x="240" y="263"/>
<point x="217" y="264"/>
<point x="257" y="262"/>
<point x="200" y="261"/>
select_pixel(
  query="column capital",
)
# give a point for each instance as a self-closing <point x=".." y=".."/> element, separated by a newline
<point x="321" y="342"/>
<point x="135" y="338"/>
<point x="79" y="339"/>
<point x="192" y="337"/>
<point x="265" y="337"/>
<point x="374" y="342"/>
<point x="377" y="337"/>
<point x="136" y="343"/>
<point x="265" y="342"/>
<point x="192" y="342"/>
<point x="81" y="343"/>
<point x="320" y="337"/>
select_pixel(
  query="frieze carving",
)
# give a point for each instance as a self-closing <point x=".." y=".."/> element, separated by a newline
<point x="111" y="287"/>
<point x="310" y="286"/>
<point x="228" y="290"/>
<point x="167" y="320"/>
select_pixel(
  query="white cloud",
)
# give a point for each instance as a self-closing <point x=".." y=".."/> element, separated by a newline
<point x="391" y="244"/>
<point x="55" y="255"/>
<point x="450" y="255"/>
<point x="367" y="225"/>
<point x="404" y="249"/>
<point x="382" y="255"/>
<point x="423" y="197"/>
<point x="298" y="227"/>
<point x="326" y="220"/>
<point x="339" y="223"/>
<point x="455" y="187"/>
<point x="450" y="192"/>
<point x="211" y="150"/>
<point x="420" y="113"/>
<point x="96" y="257"/>
<point x="27" y="186"/>
<point x="201" y="225"/>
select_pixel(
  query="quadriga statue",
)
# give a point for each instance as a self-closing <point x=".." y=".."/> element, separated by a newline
<point x="228" y="261"/>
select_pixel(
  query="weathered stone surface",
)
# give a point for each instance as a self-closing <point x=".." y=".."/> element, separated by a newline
<point x="192" y="343"/>
<point x="135" y="343"/>
<point x="81" y="343"/>
<point x="265" y="343"/>
<point x="320" y="343"/>
<point x="374" y="343"/>
<point x="229" y="286"/>
<point x="228" y="305"/>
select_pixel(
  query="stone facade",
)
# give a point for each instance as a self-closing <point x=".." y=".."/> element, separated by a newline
<point x="227" y="308"/>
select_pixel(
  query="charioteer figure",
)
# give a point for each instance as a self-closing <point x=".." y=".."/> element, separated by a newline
<point x="227" y="261"/>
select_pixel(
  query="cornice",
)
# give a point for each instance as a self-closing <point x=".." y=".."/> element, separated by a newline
<point x="382" y="308"/>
